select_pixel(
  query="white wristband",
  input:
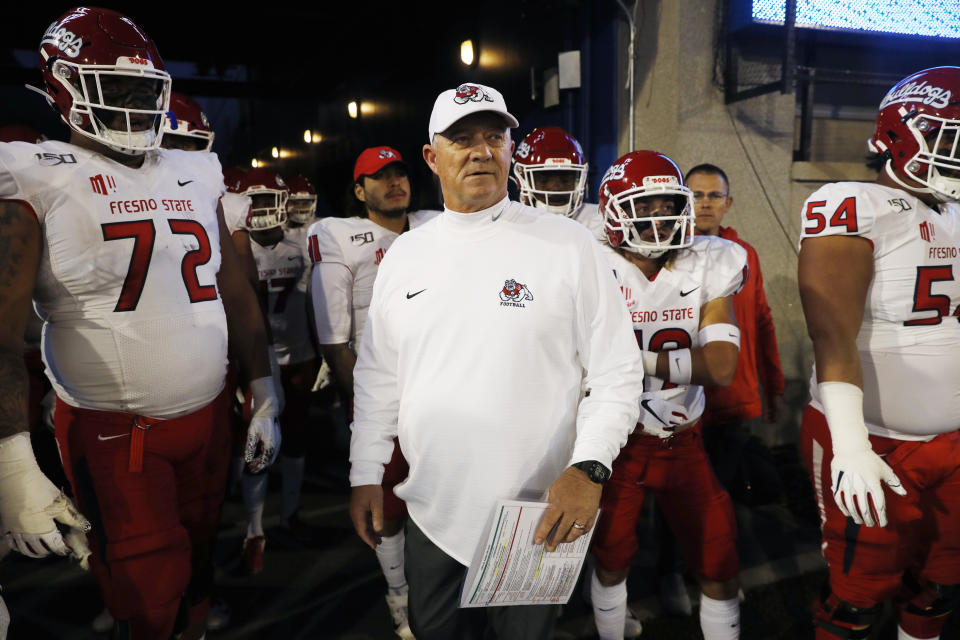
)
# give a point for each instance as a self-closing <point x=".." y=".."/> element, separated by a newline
<point x="681" y="366"/>
<point x="843" y="407"/>
<point x="650" y="362"/>
<point x="265" y="402"/>
<point x="721" y="332"/>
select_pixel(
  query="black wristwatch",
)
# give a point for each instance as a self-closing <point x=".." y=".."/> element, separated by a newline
<point x="596" y="471"/>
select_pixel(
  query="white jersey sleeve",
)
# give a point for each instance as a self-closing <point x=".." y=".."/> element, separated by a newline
<point x="841" y="209"/>
<point x="726" y="267"/>
<point x="331" y="285"/>
<point x="236" y="210"/>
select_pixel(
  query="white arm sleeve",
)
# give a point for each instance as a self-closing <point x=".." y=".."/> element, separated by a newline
<point x="331" y="293"/>
<point x="609" y="353"/>
<point x="331" y="288"/>
<point x="376" y="392"/>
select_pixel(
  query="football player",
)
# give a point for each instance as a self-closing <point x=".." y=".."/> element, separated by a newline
<point x="346" y="253"/>
<point x="877" y="274"/>
<point x="551" y="170"/>
<point x="282" y="264"/>
<point x="120" y="245"/>
<point x="677" y="289"/>
<point x="301" y="205"/>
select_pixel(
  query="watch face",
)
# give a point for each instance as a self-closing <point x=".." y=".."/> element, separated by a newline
<point x="594" y="470"/>
<point x="599" y="473"/>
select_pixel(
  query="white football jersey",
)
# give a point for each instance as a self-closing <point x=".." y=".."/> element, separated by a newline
<point x="666" y="310"/>
<point x="236" y="210"/>
<point x="346" y="253"/>
<point x="284" y="270"/>
<point x="589" y="216"/>
<point x="910" y="333"/>
<point x="127" y="278"/>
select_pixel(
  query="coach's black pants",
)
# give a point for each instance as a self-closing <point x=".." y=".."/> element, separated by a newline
<point x="436" y="580"/>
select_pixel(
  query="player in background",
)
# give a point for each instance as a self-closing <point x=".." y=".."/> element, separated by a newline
<point x="877" y="274"/>
<point x="119" y="244"/>
<point x="677" y="289"/>
<point x="280" y="250"/>
<point x="268" y="196"/>
<point x="346" y="253"/>
<point x="551" y="171"/>
<point x="301" y="205"/>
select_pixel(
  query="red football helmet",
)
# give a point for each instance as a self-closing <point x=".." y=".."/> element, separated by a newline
<point x="186" y="125"/>
<point x="232" y="177"/>
<point x="918" y="132"/>
<point x="268" y="193"/>
<point x="551" y="170"/>
<point x="21" y="133"/>
<point x="302" y="205"/>
<point x="105" y="77"/>
<point x="626" y="192"/>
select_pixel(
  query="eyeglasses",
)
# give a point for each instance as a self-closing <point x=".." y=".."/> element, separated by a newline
<point x="713" y="195"/>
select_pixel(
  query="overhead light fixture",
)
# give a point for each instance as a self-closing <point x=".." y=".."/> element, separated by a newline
<point x="275" y="152"/>
<point x="255" y="163"/>
<point x="352" y="109"/>
<point x="466" y="52"/>
<point x="308" y="135"/>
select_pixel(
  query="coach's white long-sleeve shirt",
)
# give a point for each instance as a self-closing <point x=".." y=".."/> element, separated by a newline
<point x="478" y="333"/>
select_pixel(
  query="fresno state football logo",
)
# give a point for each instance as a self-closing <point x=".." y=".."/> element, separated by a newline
<point x="384" y="154"/>
<point x="513" y="294"/>
<point x="470" y="92"/>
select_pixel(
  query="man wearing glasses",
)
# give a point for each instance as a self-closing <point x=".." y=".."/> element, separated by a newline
<point x="729" y="407"/>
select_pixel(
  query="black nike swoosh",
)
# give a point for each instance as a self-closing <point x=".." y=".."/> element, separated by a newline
<point x="410" y="295"/>
<point x="686" y="293"/>
<point x="291" y="257"/>
<point x="183" y="184"/>
<point x="644" y="403"/>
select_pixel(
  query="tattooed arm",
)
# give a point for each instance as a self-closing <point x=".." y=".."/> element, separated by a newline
<point x="30" y="505"/>
<point x="19" y="259"/>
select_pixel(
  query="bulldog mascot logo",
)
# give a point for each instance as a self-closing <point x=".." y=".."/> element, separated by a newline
<point x="513" y="291"/>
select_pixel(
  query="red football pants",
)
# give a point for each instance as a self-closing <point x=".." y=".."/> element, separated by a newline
<point x="923" y="530"/>
<point x="695" y="505"/>
<point x="145" y="521"/>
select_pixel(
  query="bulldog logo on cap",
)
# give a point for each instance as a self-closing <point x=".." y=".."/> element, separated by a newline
<point x="467" y="92"/>
<point x="386" y="153"/>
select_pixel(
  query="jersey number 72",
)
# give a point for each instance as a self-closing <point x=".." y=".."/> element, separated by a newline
<point x="143" y="233"/>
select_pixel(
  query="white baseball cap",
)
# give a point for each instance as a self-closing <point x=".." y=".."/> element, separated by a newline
<point x="454" y="104"/>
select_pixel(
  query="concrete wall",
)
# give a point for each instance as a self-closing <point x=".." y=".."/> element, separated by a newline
<point x="680" y="111"/>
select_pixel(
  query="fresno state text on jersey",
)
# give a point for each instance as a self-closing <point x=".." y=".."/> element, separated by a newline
<point x="665" y="311"/>
<point x="127" y="277"/>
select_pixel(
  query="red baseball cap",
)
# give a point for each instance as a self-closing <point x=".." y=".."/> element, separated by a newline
<point x="374" y="159"/>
